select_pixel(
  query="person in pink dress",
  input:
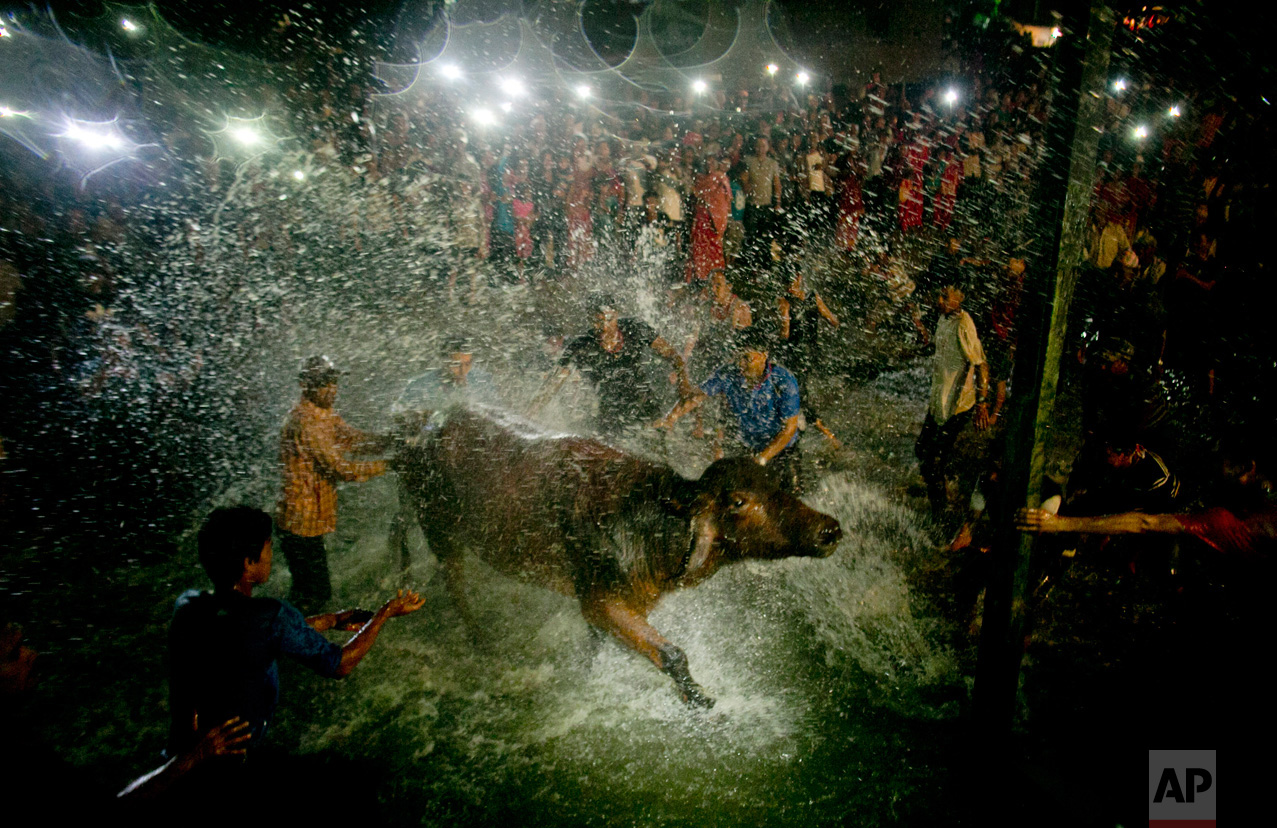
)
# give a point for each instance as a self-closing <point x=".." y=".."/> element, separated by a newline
<point x="713" y="207"/>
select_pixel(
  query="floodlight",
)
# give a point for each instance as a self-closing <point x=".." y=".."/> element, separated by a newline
<point x="583" y="90"/>
<point x="699" y="86"/>
<point x="450" y="71"/>
<point x="772" y="68"/>
<point x="246" y="136"/>
<point x="94" y="139"/>
<point x="802" y="77"/>
<point x="512" y="86"/>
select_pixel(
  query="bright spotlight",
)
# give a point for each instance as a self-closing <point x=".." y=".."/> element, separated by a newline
<point x="1141" y="132"/>
<point x="1055" y="32"/>
<point x="803" y="78"/>
<point x="512" y="86"/>
<point x="699" y="86"/>
<point x="507" y="106"/>
<point x="94" y="139"/>
<point x="450" y="71"/>
<point x="951" y="96"/>
<point x="6" y="112"/>
<point x="299" y="175"/>
<point x="128" y="25"/>
<point x="1173" y="112"/>
<point x="247" y="137"/>
<point x="583" y="90"/>
<point x="772" y="68"/>
<point x="1120" y="84"/>
<point x="483" y="117"/>
<point x="3" y="31"/>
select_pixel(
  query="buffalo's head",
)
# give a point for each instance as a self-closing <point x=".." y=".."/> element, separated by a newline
<point x="738" y="511"/>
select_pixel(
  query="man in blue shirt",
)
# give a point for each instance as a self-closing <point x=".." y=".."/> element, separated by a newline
<point x="224" y="644"/>
<point x="763" y="397"/>
<point x="458" y="380"/>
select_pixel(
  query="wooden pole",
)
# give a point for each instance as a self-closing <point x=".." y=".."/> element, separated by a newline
<point x="1067" y="175"/>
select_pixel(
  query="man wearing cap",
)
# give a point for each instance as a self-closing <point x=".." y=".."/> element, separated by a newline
<point x="764" y="398"/>
<point x="457" y="381"/>
<point x="313" y="449"/>
<point x="615" y="357"/>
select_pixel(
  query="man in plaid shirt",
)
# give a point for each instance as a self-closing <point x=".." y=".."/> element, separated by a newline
<point x="313" y="452"/>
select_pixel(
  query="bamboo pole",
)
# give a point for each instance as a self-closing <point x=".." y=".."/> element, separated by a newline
<point x="1063" y="200"/>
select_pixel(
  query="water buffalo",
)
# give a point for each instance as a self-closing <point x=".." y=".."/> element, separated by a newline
<point x="608" y="528"/>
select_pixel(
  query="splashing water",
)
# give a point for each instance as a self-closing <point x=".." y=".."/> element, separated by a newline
<point x="818" y="667"/>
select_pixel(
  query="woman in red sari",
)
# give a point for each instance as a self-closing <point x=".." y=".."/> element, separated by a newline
<point x="851" y="204"/>
<point x="713" y="208"/>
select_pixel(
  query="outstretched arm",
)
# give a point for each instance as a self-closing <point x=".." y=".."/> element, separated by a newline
<point x="230" y="738"/>
<point x="1037" y="521"/>
<point x="357" y="647"/>
<point x="682" y="409"/>
<point x="667" y="352"/>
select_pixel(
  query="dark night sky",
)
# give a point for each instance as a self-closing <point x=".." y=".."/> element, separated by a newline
<point x="1226" y="39"/>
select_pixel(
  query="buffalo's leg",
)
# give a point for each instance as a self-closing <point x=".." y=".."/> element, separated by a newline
<point x="632" y="629"/>
<point x="452" y="562"/>
<point x="398" y="539"/>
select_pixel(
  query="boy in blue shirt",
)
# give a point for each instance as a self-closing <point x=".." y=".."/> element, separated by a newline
<point x="763" y="397"/>
<point x="224" y="644"/>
